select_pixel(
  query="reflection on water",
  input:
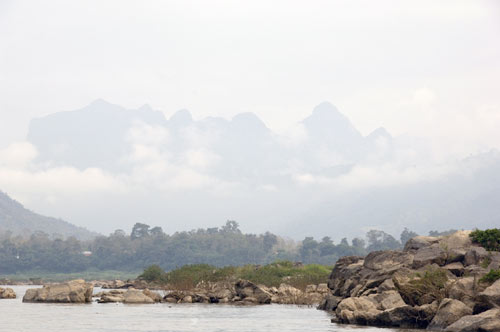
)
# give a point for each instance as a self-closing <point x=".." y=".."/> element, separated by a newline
<point x="18" y="316"/>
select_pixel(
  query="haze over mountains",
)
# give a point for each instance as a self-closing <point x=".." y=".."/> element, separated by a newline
<point x="106" y="167"/>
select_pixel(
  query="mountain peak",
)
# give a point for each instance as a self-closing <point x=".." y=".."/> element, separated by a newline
<point x="379" y="132"/>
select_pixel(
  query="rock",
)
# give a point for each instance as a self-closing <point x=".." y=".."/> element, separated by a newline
<point x="187" y="299"/>
<point x="419" y="242"/>
<point x="153" y="295"/>
<point x="488" y="321"/>
<point x="432" y="254"/>
<point x="245" y="288"/>
<point x="76" y="291"/>
<point x="110" y="298"/>
<point x="457" y="240"/>
<point x="330" y="302"/>
<point x="322" y="288"/>
<point x="387" y="285"/>
<point x="489" y="298"/>
<point x="136" y="296"/>
<point x="387" y="300"/>
<point x="356" y="310"/>
<point x="407" y="316"/>
<point x="449" y="312"/>
<point x="475" y="255"/>
<point x="387" y="260"/>
<point x="251" y="299"/>
<point x="311" y="288"/>
<point x="7" y="293"/>
<point x="462" y="290"/>
<point x="456" y="268"/>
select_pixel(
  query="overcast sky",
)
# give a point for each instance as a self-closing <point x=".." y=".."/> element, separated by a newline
<point x="427" y="68"/>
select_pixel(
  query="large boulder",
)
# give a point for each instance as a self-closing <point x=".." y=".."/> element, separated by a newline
<point x="330" y="302"/>
<point x="488" y="321"/>
<point x="475" y="255"/>
<point x="419" y="242"/>
<point x="489" y="298"/>
<point x="388" y="261"/>
<point x="136" y="296"/>
<point x="245" y="288"/>
<point x="357" y="310"/>
<point x="463" y="290"/>
<point x="7" y="293"/>
<point x="449" y="312"/>
<point x="407" y="316"/>
<point x="433" y="254"/>
<point x="75" y="291"/>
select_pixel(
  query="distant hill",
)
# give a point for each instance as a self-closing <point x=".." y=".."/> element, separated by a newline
<point x="14" y="217"/>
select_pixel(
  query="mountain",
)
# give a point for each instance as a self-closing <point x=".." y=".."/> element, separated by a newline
<point x="20" y="221"/>
<point x="94" y="136"/>
<point x="181" y="173"/>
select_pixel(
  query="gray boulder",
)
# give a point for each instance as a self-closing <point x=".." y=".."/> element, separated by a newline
<point x="433" y="254"/>
<point x="488" y="321"/>
<point x="449" y="312"/>
<point x="245" y="288"/>
<point x="75" y="291"/>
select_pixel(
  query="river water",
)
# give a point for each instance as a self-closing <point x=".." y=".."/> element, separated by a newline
<point x="16" y="316"/>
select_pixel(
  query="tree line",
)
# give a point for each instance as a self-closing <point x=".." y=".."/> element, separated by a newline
<point x="146" y="245"/>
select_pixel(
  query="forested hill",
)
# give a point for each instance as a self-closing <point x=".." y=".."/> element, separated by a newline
<point x="18" y="220"/>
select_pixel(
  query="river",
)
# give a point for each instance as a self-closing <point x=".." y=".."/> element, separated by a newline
<point x="16" y="316"/>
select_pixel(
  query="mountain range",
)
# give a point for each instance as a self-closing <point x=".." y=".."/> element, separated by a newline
<point x="324" y="179"/>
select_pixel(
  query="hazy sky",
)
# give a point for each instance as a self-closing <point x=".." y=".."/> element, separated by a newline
<point x="427" y="68"/>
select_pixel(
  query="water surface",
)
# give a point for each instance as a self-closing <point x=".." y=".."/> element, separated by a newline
<point x="17" y="316"/>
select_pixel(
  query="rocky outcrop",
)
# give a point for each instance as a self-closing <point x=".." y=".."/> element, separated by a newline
<point x="432" y="283"/>
<point x="241" y="292"/>
<point x="76" y="291"/>
<point x="7" y="293"/>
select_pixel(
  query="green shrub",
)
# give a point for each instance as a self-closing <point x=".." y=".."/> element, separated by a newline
<point x="154" y="273"/>
<point x="491" y="276"/>
<point x="489" y="239"/>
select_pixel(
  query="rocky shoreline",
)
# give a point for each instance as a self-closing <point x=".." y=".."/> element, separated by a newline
<point x="240" y="292"/>
<point x="434" y="283"/>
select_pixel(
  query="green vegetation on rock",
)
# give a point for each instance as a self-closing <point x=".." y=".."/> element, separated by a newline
<point x="423" y="289"/>
<point x="491" y="276"/>
<point x="489" y="239"/>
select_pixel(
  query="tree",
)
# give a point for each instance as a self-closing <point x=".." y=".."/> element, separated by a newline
<point x="139" y="231"/>
<point x="358" y="243"/>
<point x="406" y="235"/>
<point x="269" y="240"/>
<point x="231" y="226"/>
<point x="380" y="240"/>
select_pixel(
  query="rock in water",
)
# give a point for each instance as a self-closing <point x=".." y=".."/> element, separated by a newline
<point x="488" y="321"/>
<point x="75" y="291"/>
<point x="136" y="296"/>
<point x="7" y="293"/>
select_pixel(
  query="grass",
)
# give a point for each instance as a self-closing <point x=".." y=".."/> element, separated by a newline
<point x="188" y="276"/>
<point x="424" y="289"/>
<point x="491" y="276"/>
<point x="57" y="277"/>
